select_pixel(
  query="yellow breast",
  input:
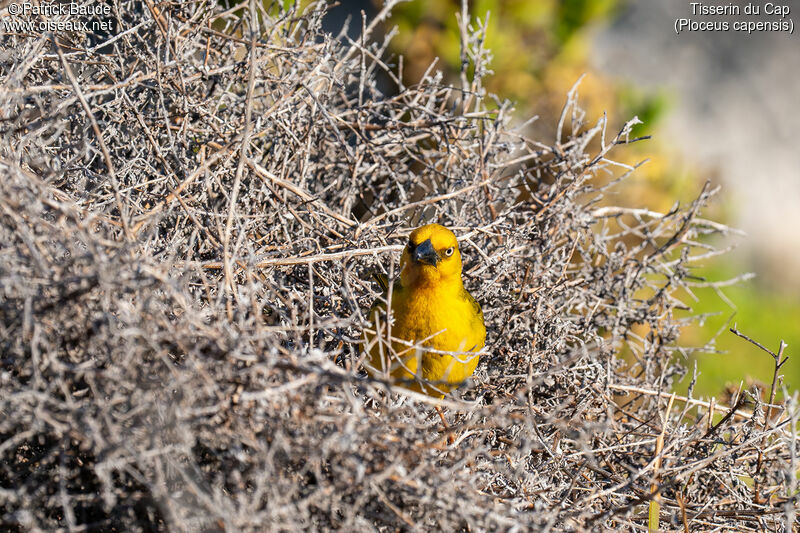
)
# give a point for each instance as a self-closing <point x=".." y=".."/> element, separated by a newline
<point x="431" y="320"/>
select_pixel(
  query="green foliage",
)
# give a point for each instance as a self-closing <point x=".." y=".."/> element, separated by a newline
<point x="762" y="313"/>
<point x="574" y="15"/>
<point x="531" y="42"/>
<point x="649" y="107"/>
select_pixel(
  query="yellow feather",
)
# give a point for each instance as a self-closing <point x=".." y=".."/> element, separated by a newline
<point x="431" y="313"/>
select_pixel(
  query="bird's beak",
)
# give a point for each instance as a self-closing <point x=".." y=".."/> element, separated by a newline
<point x="425" y="253"/>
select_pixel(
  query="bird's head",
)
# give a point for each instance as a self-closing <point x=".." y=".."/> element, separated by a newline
<point x="431" y="256"/>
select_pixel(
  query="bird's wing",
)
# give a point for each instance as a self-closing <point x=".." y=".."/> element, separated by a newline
<point x="383" y="282"/>
<point x="475" y="305"/>
<point x="382" y="279"/>
<point x="478" y="320"/>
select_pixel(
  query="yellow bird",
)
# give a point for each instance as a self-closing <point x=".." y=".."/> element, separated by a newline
<point x="440" y="322"/>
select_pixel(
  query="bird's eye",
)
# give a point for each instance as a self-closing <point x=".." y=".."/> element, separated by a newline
<point x="410" y="245"/>
<point x="449" y="251"/>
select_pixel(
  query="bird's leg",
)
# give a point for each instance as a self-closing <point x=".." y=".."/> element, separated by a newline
<point x="451" y="438"/>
